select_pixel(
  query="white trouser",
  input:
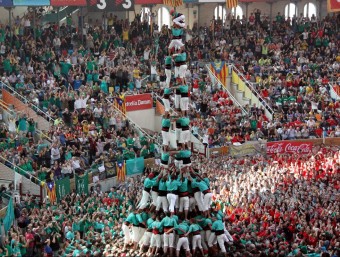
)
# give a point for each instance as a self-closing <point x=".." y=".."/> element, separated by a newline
<point x="183" y="241"/>
<point x="168" y="77"/>
<point x="162" y="202"/>
<point x="135" y="234"/>
<point x="176" y="43"/>
<point x="154" y="196"/>
<point x="172" y="201"/>
<point x="204" y="243"/>
<point x="176" y="71"/>
<point x="169" y="240"/>
<point x="155" y="240"/>
<point x="183" y="203"/>
<point x="182" y="70"/>
<point x="166" y="137"/>
<point x="178" y="164"/>
<point x="141" y="233"/>
<point x="166" y="103"/>
<point x="146" y="239"/>
<point x="229" y="237"/>
<point x="144" y="201"/>
<point x="199" y="200"/>
<point x="196" y="242"/>
<point x="185" y="136"/>
<point x="192" y="203"/>
<point x="184" y="104"/>
<point x="178" y="132"/>
<point x="177" y="101"/>
<point x="221" y="239"/>
<point x="207" y="201"/>
<point x="127" y="234"/>
<point x="207" y="235"/>
<point x="212" y="239"/>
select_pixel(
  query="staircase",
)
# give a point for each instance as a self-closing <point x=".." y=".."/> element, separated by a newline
<point x="137" y="128"/>
<point x="246" y="93"/>
<point x="54" y="17"/>
<point x="216" y="82"/>
<point x="22" y="104"/>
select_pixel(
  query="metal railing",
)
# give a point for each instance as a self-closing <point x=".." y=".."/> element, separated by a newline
<point x="244" y="111"/>
<point x="13" y="167"/>
<point x="134" y="125"/>
<point x="254" y="90"/>
<point x="23" y="99"/>
<point x="13" y="113"/>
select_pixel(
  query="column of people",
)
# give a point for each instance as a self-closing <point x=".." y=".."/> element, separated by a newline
<point x="174" y="213"/>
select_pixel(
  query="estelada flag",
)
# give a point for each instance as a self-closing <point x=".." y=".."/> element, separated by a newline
<point x="121" y="171"/>
<point x="51" y="191"/>
<point x="333" y="5"/>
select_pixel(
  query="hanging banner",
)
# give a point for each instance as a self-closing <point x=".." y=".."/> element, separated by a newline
<point x="6" y="3"/>
<point x="82" y="184"/>
<point x="63" y="188"/>
<point x="246" y="149"/>
<point x="333" y="5"/>
<point x="31" y="2"/>
<point x="135" y="166"/>
<point x="111" y="5"/>
<point x="138" y="102"/>
<point x="68" y="2"/>
<point x="289" y="147"/>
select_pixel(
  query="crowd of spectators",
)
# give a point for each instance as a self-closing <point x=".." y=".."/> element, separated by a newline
<point x="72" y="80"/>
<point x="280" y="205"/>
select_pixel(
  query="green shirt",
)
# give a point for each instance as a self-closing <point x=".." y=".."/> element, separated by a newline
<point x="177" y="32"/>
<point x="217" y="225"/>
<point x="182" y="228"/>
<point x="184" y="89"/>
<point x="165" y="157"/>
<point x="184" y="186"/>
<point x="65" y="67"/>
<point x="168" y="60"/>
<point x="169" y="222"/>
<point x="194" y="228"/>
<point x="166" y="123"/>
<point x="173" y="184"/>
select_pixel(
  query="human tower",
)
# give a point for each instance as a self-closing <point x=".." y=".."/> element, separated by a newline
<point x="174" y="215"/>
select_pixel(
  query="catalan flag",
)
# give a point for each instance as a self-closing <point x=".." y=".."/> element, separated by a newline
<point x="51" y="191"/>
<point x="173" y="3"/>
<point x="121" y="170"/>
<point x="232" y="3"/>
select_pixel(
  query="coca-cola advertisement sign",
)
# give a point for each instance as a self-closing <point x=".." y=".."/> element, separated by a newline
<point x="289" y="147"/>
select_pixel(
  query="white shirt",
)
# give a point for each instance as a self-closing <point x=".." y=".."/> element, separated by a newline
<point x="77" y="103"/>
<point x="153" y="70"/>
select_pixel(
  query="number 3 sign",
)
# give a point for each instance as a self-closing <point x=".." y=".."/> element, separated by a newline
<point x="111" y="5"/>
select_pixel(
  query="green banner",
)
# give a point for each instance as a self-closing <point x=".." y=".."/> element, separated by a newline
<point x="135" y="166"/>
<point x="63" y="188"/>
<point x="82" y="184"/>
<point x="9" y="218"/>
